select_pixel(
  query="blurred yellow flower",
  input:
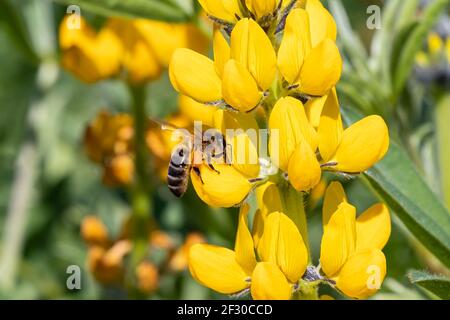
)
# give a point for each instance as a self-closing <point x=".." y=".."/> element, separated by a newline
<point x="351" y="247"/>
<point x="89" y="55"/>
<point x="108" y="141"/>
<point x="147" y="276"/>
<point x="141" y="48"/>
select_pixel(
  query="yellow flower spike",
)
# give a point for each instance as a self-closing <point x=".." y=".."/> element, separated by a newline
<point x="334" y="196"/>
<point x="339" y="238"/>
<point x="244" y="154"/>
<point x="295" y="46"/>
<point x="363" y="274"/>
<point x="239" y="89"/>
<point x="373" y="228"/>
<point x="216" y="268"/>
<point x="245" y="252"/>
<point x="194" y="75"/>
<point x="269" y="283"/>
<point x="330" y="127"/>
<point x="224" y="9"/>
<point x="196" y="111"/>
<point x="304" y="170"/>
<point x="262" y="8"/>
<point x="321" y="69"/>
<point x="313" y="110"/>
<point x="362" y="145"/>
<point x="234" y="187"/>
<point x="435" y="43"/>
<point x="322" y="23"/>
<point x="281" y="243"/>
<point x="221" y="51"/>
<point x="288" y="116"/>
<point x="252" y="48"/>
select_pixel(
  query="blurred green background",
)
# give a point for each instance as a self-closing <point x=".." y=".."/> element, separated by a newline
<point x="47" y="184"/>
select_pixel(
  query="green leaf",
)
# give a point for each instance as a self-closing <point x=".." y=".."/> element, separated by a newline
<point x="436" y="284"/>
<point x="414" y="43"/>
<point x="165" y="10"/>
<point x="397" y="182"/>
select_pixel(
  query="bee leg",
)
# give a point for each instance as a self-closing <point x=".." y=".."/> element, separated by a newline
<point x="197" y="172"/>
<point x="212" y="168"/>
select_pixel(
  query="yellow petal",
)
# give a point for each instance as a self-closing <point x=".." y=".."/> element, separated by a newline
<point x="268" y="198"/>
<point x="225" y="188"/>
<point x="196" y="111"/>
<point x="244" y="248"/>
<point x="447" y="50"/>
<point x="244" y="153"/>
<point x="334" y="196"/>
<point x="239" y="88"/>
<point x="363" y="274"/>
<point x="72" y="36"/>
<point x="338" y="241"/>
<point x="373" y="228"/>
<point x="289" y="118"/>
<point x="194" y="75"/>
<point x="224" y="120"/>
<point x="295" y="46"/>
<point x="363" y="144"/>
<point x="435" y="43"/>
<point x="221" y="51"/>
<point x="304" y="170"/>
<point x="321" y="70"/>
<point x="330" y="127"/>
<point x="313" y="110"/>
<point x="252" y="48"/>
<point x="258" y="227"/>
<point x="216" y="268"/>
<point x="225" y="9"/>
<point x="322" y="22"/>
<point x="164" y="38"/>
<point x="281" y="243"/>
<point x="91" y="57"/>
<point x="269" y="283"/>
<point x="262" y="8"/>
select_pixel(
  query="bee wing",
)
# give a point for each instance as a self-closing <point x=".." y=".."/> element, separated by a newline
<point x="177" y="132"/>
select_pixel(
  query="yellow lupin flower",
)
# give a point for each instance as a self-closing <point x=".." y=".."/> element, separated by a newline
<point x="262" y="8"/>
<point x="90" y="56"/>
<point x="228" y="272"/>
<point x="355" y="150"/>
<point x="240" y="73"/>
<point x="310" y="61"/>
<point x="236" y="178"/>
<point x="288" y="116"/>
<point x="351" y="247"/>
<point x="225" y="10"/>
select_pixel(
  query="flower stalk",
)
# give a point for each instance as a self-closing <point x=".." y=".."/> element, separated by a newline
<point x="140" y="191"/>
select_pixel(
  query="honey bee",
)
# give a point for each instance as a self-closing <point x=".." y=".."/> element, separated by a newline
<point x="201" y="147"/>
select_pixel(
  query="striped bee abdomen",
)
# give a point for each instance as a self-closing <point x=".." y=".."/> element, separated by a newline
<point x="178" y="173"/>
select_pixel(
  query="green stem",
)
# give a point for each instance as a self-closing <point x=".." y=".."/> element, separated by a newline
<point x="307" y="291"/>
<point x="140" y="191"/>
<point x="442" y="114"/>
